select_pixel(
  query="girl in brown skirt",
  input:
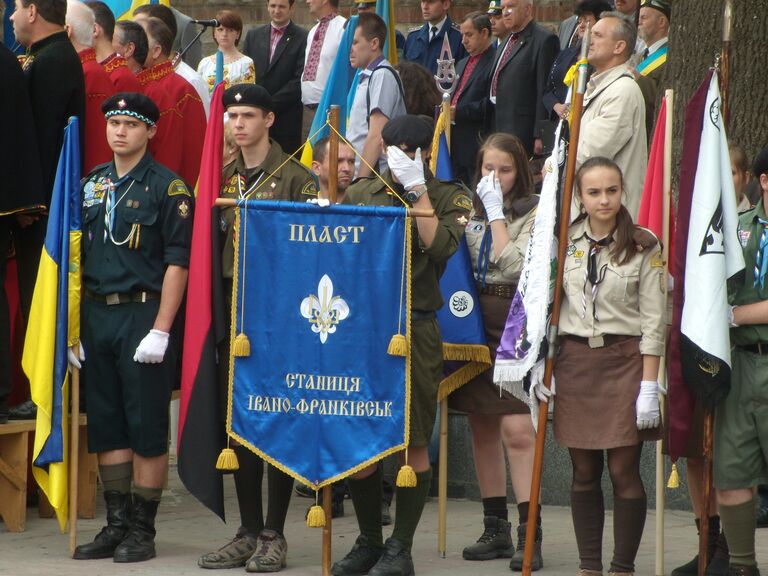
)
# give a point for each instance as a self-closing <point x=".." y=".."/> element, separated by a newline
<point x="497" y="235"/>
<point x="612" y="334"/>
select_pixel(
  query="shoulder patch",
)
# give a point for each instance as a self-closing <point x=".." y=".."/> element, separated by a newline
<point x="657" y="260"/>
<point x="462" y="201"/>
<point x="178" y="188"/>
<point x="309" y="189"/>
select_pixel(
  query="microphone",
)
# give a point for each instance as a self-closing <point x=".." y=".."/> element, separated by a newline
<point x="212" y="22"/>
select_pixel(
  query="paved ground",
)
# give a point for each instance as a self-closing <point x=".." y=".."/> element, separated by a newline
<point x="186" y="530"/>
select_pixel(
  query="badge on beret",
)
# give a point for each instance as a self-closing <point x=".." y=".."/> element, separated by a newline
<point x="462" y="201"/>
<point x="238" y="96"/>
<point x="182" y="207"/>
<point x="178" y="188"/>
<point x="121" y="103"/>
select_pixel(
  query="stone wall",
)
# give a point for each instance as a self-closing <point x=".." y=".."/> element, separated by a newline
<point x="548" y="12"/>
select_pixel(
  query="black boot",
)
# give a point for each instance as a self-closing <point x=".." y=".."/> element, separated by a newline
<point x="691" y="568"/>
<point x="718" y="550"/>
<point x="762" y="506"/>
<point x="395" y="561"/>
<point x="537" y="562"/>
<point x="103" y="546"/>
<point x="139" y="543"/>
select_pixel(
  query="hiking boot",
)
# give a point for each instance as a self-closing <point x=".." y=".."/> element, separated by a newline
<point x="271" y="553"/>
<point x="359" y="560"/>
<point x="537" y="562"/>
<point x="234" y="554"/>
<point x="396" y="560"/>
<point x="118" y="514"/>
<point x="741" y="570"/>
<point x="139" y="544"/>
<point x="494" y="542"/>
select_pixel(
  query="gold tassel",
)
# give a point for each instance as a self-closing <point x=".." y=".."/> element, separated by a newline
<point x="241" y="346"/>
<point x="398" y="346"/>
<point x="674" y="478"/>
<point x="406" y="477"/>
<point x="227" y="460"/>
<point x="316" y="517"/>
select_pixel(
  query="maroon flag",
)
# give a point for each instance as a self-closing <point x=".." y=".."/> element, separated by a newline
<point x="201" y="431"/>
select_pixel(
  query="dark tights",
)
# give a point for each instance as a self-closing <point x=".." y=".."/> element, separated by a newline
<point x="623" y="466"/>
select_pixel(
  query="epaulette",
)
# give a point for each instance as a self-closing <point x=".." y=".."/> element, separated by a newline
<point x="456" y="27"/>
<point x="645" y="237"/>
<point x="415" y="29"/>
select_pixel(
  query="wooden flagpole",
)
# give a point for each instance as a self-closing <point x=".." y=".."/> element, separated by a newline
<point x="667" y="195"/>
<point x="442" y="466"/>
<point x="74" y="451"/>
<point x="333" y="182"/>
<point x="577" y="107"/>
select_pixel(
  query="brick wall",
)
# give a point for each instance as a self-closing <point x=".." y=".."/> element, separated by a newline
<point x="548" y="12"/>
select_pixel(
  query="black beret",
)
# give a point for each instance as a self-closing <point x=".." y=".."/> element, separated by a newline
<point x="662" y="6"/>
<point x="760" y="165"/>
<point x="410" y="131"/>
<point x="248" y="95"/>
<point x="132" y="104"/>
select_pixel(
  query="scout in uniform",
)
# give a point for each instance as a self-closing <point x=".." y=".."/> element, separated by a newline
<point x="612" y="326"/>
<point x="497" y="234"/>
<point x="741" y="420"/>
<point x="436" y="238"/>
<point x="261" y="171"/>
<point x="424" y="44"/>
<point x="137" y="231"/>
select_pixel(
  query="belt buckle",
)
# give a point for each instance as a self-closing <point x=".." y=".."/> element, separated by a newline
<point x="596" y="342"/>
<point x="113" y="299"/>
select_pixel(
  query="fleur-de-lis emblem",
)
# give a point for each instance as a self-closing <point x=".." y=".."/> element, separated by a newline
<point x="325" y="310"/>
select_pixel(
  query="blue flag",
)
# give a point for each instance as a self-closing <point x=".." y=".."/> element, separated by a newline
<point x="461" y="323"/>
<point x="315" y="391"/>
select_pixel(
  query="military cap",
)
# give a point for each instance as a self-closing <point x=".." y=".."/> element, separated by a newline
<point x="494" y="8"/>
<point x="408" y="130"/>
<point x="362" y="4"/>
<point x="248" y="95"/>
<point x="132" y="104"/>
<point x="662" y="6"/>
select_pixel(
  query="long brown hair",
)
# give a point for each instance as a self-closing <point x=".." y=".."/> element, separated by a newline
<point x="509" y="144"/>
<point x="623" y="248"/>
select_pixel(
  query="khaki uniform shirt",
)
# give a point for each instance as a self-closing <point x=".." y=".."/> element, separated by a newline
<point x="613" y="125"/>
<point x="744" y="291"/>
<point x="452" y="206"/>
<point x="506" y="267"/>
<point x="293" y="183"/>
<point x="629" y="299"/>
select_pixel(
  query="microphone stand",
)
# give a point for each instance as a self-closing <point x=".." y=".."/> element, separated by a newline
<point x="180" y="55"/>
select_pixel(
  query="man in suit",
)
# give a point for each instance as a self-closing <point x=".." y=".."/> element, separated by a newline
<point x="470" y="99"/>
<point x="520" y="73"/>
<point x="277" y="50"/>
<point x="424" y="44"/>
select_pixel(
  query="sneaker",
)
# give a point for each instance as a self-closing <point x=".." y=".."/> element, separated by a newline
<point x="537" y="562"/>
<point x="271" y="553"/>
<point x="234" y="554"/>
<point x="396" y="560"/>
<point x="495" y="541"/>
<point x="359" y="560"/>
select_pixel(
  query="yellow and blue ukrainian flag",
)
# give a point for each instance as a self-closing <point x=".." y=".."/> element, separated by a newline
<point x="54" y="325"/>
<point x="386" y="9"/>
<point x="123" y="9"/>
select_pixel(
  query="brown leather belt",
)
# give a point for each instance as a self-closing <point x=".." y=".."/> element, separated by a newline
<point x="500" y="290"/>
<point x="600" y="341"/>
<point x="122" y="298"/>
<point x="760" y="348"/>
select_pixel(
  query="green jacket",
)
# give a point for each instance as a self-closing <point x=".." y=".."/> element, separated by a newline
<point x="452" y="207"/>
<point x="151" y="227"/>
<point x="292" y="182"/>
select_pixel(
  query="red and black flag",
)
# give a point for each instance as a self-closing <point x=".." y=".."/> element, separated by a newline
<point x="201" y="431"/>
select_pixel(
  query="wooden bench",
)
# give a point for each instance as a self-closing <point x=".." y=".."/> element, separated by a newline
<point x="14" y="464"/>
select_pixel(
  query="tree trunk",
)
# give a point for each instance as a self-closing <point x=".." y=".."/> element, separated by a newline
<point x="695" y="38"/>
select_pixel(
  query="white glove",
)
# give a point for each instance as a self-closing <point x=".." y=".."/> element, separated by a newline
<point x="489" y="192"/>
<point x="76" y="359"/>
<point x="152" y="348"/>
<point x="647" y="406"/>
<point x="544" y="394"/>
<point x="410" y="173"/>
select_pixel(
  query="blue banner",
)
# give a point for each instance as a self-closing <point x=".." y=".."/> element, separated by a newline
<point x="319" y="294"/>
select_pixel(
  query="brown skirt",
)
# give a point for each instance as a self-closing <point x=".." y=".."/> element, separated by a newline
<point x="481" y="395"/>
<point x="596" y="393"/>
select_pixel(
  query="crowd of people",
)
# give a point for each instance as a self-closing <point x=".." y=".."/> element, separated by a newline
<point x="142" y="91"/>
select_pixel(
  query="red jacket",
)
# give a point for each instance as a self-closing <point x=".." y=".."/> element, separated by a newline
<point x="124" y="80"/>
<point x="98" y="87"/>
